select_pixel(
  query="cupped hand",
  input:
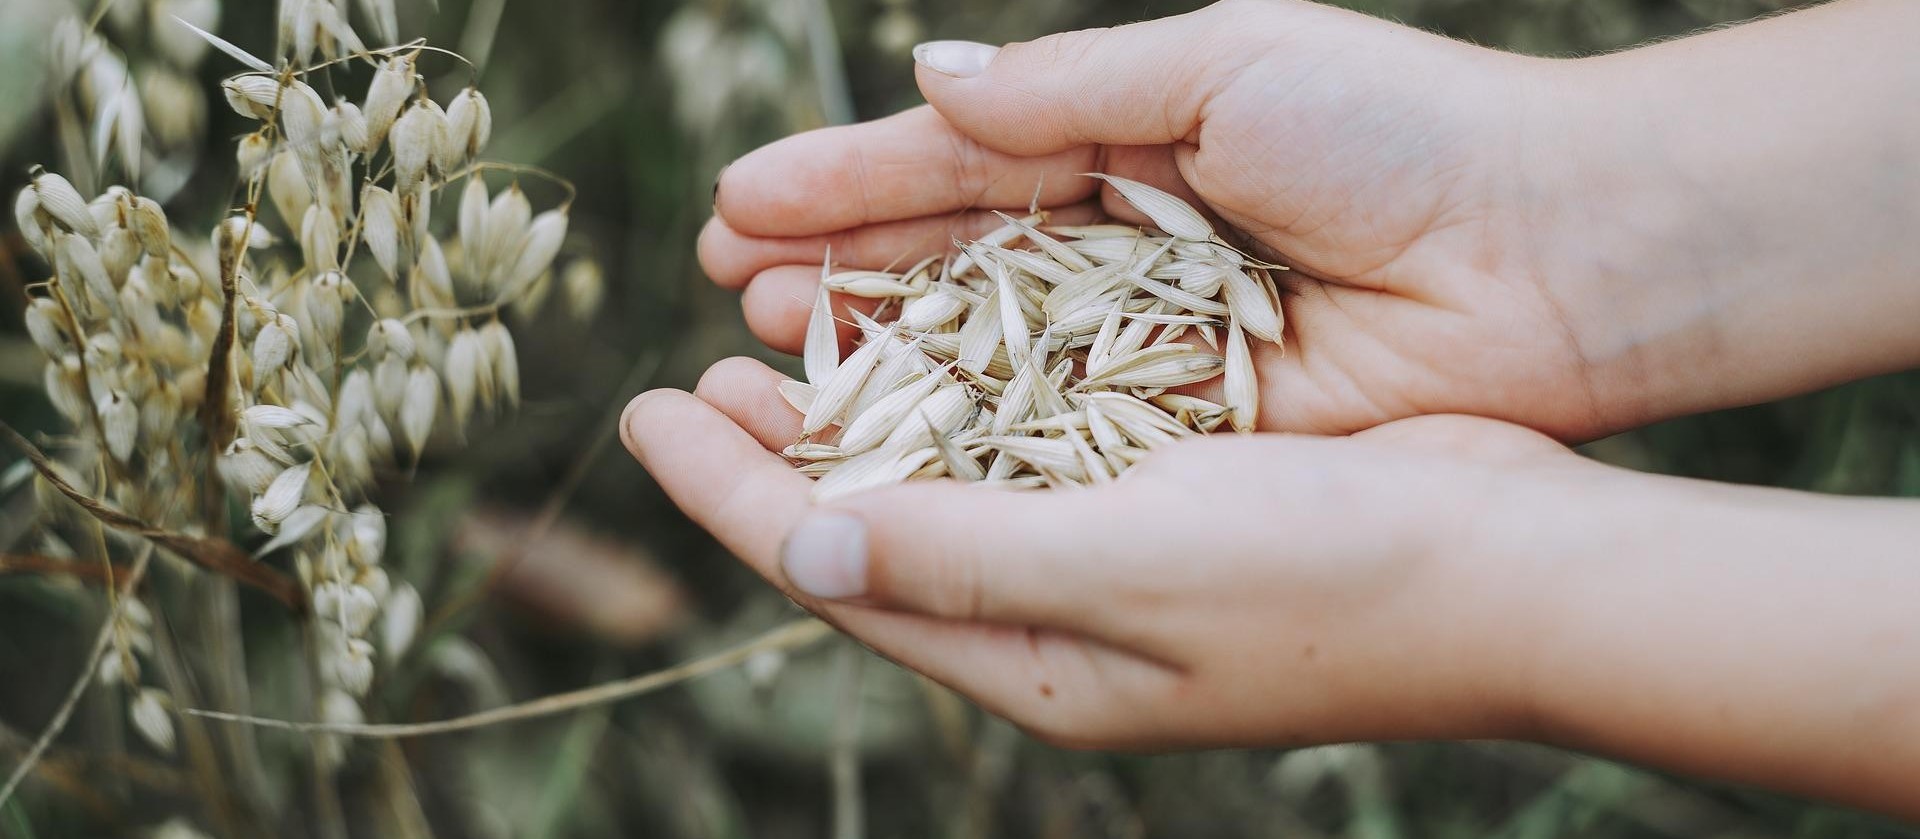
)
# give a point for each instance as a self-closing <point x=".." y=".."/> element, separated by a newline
<point x="1266" y="589"/>
<point x="1404" y="176"/>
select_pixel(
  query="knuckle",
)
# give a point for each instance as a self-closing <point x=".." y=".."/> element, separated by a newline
<point x="1057" y="52"/>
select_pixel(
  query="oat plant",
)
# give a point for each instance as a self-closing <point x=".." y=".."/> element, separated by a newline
<point x="238" y="391"/>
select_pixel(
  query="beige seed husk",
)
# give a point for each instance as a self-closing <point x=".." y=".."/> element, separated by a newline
<point x="389" y="91"/>
<point x="1178" y="218"/>
<point x="871" y="427"/>
<point x="958" y="463"/>
<point x="870" y="284"/>
<point x="466" y="359"/>
<point x="120" y="422"/>
<point x="380" y="225"/>
<point x="434" y="279"/>
<point x="1065" y="256"/>
<point x="945" y="410"/>
<point x="63" y="203"/>
<point x="281" y="497"/>
<point x="544" y="237"/>
<point x="27" y="219"/>
<point x="1243" y="394"/>
<point x="981" y="336"/>
<point x="1167" y="365"/>
<point x="80" y="258"/>
<point x="274" y="417"/>
<point x="898" y="363"/>
<point x="469" y="125"/>
<point x="838" y="393"/>
<point x="419" y="403"/>
<point x="415" y="137"/>
<point x="503" y="360"/>
<point x="822" y="353"/>
<point x="474" y="205"/>
<point x="799" y="395"/>
<point x="931" y="310"/>
<point x="1252" y="309"/>
<point x="501" y="234"/>
<point x="998" y="236"/>
<point x="152" y="717"/>
<point x="44" y="320"/>
<point x="876" y="468"/>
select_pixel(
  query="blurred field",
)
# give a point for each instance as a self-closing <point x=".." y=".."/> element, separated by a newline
<point x="640" y="102"/>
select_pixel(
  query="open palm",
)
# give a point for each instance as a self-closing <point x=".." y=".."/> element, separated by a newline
<point x="1379" y="162"/>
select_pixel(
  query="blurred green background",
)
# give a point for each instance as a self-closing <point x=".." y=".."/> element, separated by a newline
<point x="641" y="102"/>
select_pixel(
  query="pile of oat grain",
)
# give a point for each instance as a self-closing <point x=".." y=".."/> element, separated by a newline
<point x="1038" y="356"/>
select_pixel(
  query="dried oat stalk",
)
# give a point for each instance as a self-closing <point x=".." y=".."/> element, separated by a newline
<point x="1036" y="356"/>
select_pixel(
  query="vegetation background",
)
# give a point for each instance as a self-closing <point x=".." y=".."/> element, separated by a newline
<point x="556" y="563"/>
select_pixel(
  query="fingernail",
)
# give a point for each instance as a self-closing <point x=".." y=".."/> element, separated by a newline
<point x="826" y="556"/>
<point x="959" y="59"/>
<point x="716" y="185"/>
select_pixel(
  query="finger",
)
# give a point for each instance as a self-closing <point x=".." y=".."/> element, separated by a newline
<point x="731" y="258"/>
<point x="721" y="477"/>
<point x="1478" y="438"/>
<point x="940" y="549"/>
<point x="747" y="391"/>
<point x="729" y="484"/>
<point x="905" y="166"/>
<point x="921" y="546"/>
<point x="1141" y="84"/>
<point x="960" y="552"/>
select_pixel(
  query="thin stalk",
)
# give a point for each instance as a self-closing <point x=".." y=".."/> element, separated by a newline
<point x="797" y="634"/>
<point x="101" y="640"/>
<point x="843" y="761"/>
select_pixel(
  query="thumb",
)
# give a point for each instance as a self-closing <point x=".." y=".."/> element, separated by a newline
<point x="1140" y="84"/>
<point x="951" y="551"/>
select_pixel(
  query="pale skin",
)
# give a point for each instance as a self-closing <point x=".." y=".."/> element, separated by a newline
<point x="1560" y="248"/>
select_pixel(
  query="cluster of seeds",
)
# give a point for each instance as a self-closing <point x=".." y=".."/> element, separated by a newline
<point x="267" y="357"/>
<point x="132" y="81"/>
<point x="1037" y="356"/>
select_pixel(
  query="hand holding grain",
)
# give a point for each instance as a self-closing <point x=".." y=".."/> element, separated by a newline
<point x="1578" y="246"/>
<point x="1370" y="157"/>
<point x="1439" y="577"/>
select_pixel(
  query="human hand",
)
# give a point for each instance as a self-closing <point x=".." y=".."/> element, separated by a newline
<point x="1438" y="577"/>
<point x="1575" y="246"/>
<point x="1381" y="161"/>
<point x="1231" y="590"/>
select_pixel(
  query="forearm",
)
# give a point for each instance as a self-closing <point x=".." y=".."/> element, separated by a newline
<point x="1744" y="219"/>
<point x="1758" y="636"/>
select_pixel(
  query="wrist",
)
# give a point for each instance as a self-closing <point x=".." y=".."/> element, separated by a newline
<point x="1708" y="253"/>
<point x="1624" y="249"/>
<point x="1702" y="628"/>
